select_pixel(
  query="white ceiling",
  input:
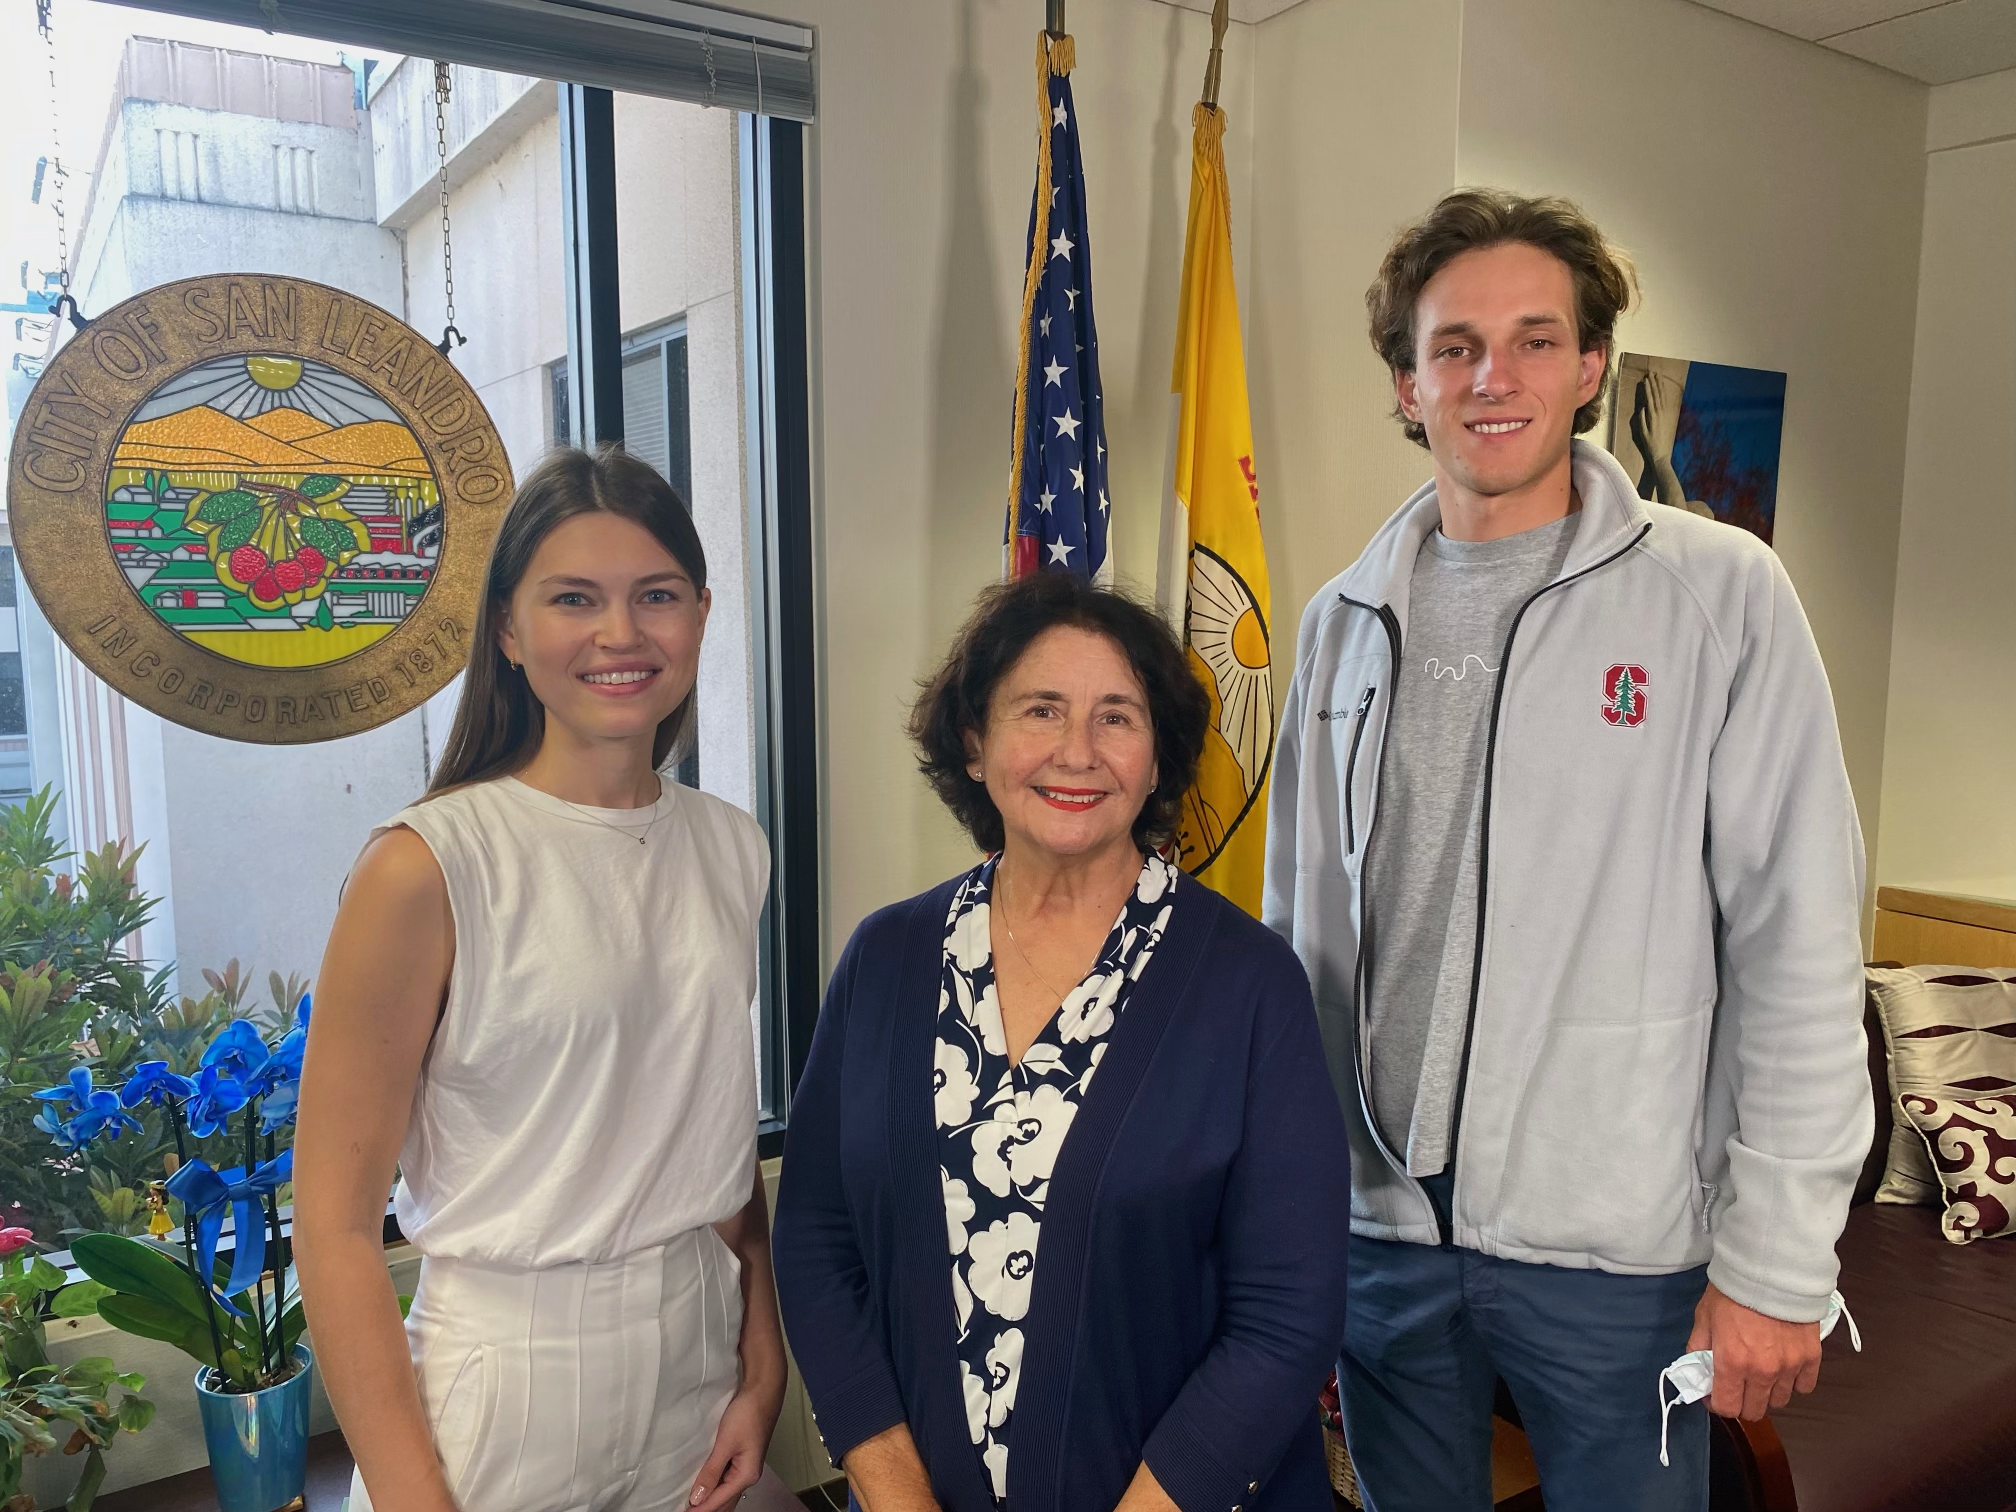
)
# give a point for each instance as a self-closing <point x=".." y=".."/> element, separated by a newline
<point x="1249" y="11"/>
<point x="1937" y="41"/>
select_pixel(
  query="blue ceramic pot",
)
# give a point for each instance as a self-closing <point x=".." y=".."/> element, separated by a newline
<point x="258" y="1440"/>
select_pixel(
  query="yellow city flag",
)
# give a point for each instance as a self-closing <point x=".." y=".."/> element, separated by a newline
<point x="1213" y="567"/>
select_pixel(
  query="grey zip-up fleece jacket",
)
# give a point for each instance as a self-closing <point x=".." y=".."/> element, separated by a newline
<point x="1664" y="1059"/>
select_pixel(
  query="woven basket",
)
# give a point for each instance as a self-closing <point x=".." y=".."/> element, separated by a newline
<point x="1343" y="1476"/>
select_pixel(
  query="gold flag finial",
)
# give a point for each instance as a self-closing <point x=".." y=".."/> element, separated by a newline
<point x="1213" y="69"/>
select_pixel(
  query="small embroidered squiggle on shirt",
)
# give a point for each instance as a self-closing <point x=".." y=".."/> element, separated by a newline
<point x="1457" y="673"/>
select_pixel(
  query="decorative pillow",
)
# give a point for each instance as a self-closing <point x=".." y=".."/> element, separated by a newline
<point x="1973" y="1148"/>
<point x="1951" y="1036"/>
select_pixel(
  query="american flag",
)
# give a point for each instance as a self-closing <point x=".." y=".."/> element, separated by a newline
<point x="1058" y="509"/>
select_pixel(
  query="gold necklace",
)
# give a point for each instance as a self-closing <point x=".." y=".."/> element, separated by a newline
<point x="640" y="839"/>
<point x="1000" y="881"/>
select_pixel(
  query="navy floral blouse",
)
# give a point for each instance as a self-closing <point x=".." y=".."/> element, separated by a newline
<point x="1000" y="1127"/>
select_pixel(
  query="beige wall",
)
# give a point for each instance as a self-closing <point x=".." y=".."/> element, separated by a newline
<point x="1357" y="134"/>
<point x="1769" y="190"/>
<point x="1949" y="778"/>
<point x="922" y="166"/>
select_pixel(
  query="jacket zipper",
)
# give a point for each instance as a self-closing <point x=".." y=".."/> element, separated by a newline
<point x="1351" y="770"/>
<point x="1361" y="1041"/>
<point x="1484" y="862"/>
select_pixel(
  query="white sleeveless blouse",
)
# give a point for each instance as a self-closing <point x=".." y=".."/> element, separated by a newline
<point x="590" y="1090"/>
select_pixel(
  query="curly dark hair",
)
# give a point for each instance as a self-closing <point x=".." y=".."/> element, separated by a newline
<point x="1470" y="220"/>
<point x="1005" y="623"/>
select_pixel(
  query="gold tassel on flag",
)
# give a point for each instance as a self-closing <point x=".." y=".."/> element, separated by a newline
<point x="1213" y="569"/>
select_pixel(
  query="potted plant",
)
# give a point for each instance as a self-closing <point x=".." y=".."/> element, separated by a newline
<point x="38" y="1400"/>
<point x="241" y="1322"/>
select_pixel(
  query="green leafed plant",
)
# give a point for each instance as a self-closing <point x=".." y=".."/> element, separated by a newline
<point x="71" y="995"/>
<point x="43" y="1407"/>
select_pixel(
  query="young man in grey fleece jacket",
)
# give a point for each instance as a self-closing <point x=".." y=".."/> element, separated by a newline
<point x="1561" y="830"/>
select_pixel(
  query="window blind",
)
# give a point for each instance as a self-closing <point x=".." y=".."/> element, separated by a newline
<point x="645" y="410"/>
<point x="668" y="48"/>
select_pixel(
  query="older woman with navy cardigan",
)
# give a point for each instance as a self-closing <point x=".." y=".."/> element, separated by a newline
<point x="1066" y="1192"/>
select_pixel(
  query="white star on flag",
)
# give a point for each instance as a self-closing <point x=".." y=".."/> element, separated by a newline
<point x="1053" y="524"/>
<point x="1103" y="505"/>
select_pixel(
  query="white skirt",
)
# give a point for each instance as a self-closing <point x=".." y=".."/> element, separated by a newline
<point x="578" y="1388"/>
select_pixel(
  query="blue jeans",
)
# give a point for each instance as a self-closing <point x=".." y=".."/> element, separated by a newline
<point x="1428" y="1333"/>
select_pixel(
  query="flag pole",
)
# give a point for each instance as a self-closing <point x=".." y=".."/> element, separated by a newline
<point x="1053" y="17"/>
<point x="1212" y="69"/>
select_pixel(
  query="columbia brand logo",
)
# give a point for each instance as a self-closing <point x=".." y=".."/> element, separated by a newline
<point x="1624" y="696"/>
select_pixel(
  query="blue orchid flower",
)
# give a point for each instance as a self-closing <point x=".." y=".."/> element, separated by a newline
<point x="217" y="1096"/>
<point x="282" y="1067"/>
<point x="238" y="1051"/>
<point x="277" y="1108"/>
<point x="73" y="1096"/>
<point x="205" y="1193"/>
<point x="153" y="1083"/>
<point x="93" y="1111"/>
<point x="278" y="1082"/>
<point x="52" y="1123"/>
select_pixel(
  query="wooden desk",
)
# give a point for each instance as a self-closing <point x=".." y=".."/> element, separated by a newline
<point x="1941" y="928"/>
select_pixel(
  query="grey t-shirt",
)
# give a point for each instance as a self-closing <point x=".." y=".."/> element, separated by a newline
<point x="1421" y="881"/>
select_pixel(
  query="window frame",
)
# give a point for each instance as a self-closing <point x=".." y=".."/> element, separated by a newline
<point x="777" y="429"/>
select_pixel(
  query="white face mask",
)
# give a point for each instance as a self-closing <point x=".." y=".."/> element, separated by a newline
<point x="1693" y="1375"/>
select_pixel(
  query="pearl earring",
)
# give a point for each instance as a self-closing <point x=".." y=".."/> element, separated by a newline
<point x="974" y="773"/>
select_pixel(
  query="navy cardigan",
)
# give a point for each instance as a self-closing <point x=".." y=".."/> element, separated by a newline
<point x="1189" y="1293"/>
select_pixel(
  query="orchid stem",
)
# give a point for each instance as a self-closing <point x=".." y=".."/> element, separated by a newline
<point x="258" y="1306"/>
<point x="189" y="1242"/>
<point x="279" y="1267"/>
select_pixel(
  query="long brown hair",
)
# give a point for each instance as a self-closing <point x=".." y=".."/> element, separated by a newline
<point x="499" y="723"/>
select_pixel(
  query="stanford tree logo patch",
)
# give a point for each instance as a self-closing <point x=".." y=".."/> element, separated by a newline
<point x="1624" y="696"/>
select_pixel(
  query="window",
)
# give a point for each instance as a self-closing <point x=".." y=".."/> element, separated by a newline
<point x="16" y="769"/>
<point x="654" y="403"/>
<point x="342" y="178"/>
<point x="13" y="698"/>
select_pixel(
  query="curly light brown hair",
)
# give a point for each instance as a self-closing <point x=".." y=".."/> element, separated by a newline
<point x="1469" y="220"/>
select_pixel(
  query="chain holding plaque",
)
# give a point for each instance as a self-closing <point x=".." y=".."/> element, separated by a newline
<point x="259" y="507"/>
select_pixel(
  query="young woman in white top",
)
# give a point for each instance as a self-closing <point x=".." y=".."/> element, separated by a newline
<point x="536" y="1003"/>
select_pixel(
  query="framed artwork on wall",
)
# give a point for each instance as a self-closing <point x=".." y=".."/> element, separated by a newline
<point x="1701" y="436"/>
